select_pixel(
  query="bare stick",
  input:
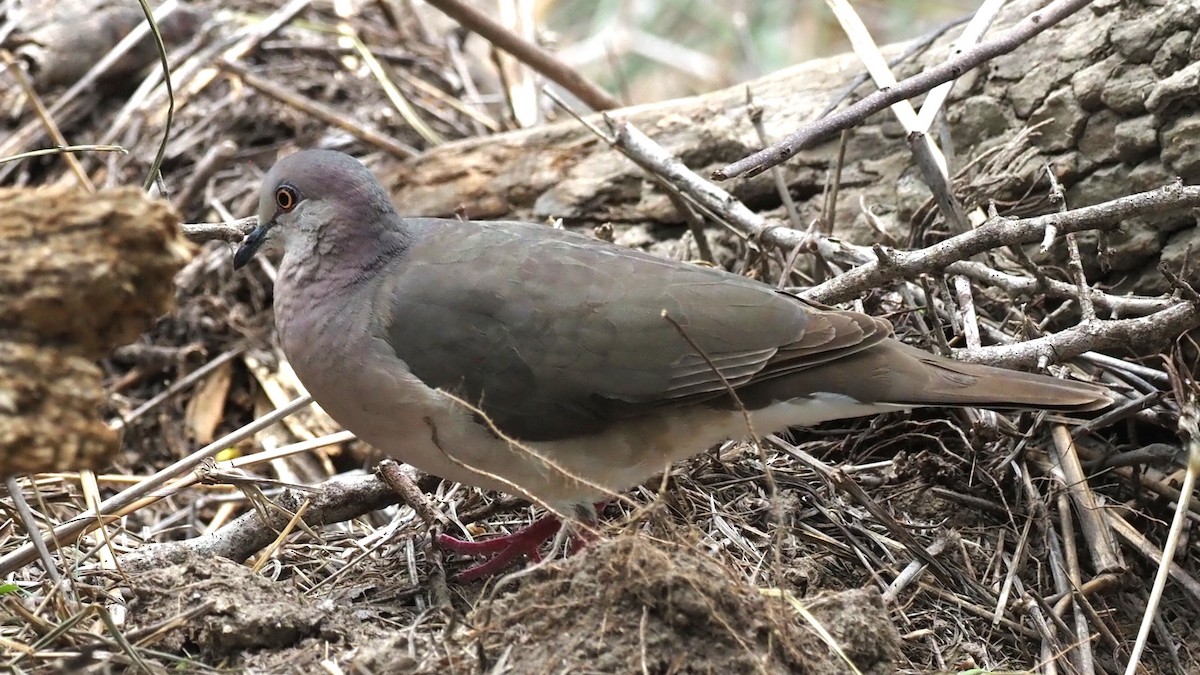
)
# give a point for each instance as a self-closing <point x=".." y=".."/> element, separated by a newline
<point x="233" y="231"/>
<point x="869" y="273"/>
<point x="1075" y="579"/>
<point x="336" y="500"/>
<point x="971" y="35"/>
<point x="1189" y="425"/>
<point x="528" y="53"/>
<point x="755" y="112"/>
<point x="1097" y="532"/>
<point x="811" y="134"/>
<point x="966" y="304"/>
<point x="1020" y="286"/>
<point x="27" y="519"/>
<point x="215" y="159"/>
<point x="694" y="221"/>
<point x="321" y="111"/>
<point x="1139" y="334"/>
<point x="1000" y="231"/>
<point x="72" y="529"/>
<point x="402" y="481"/>
<point x="879" y="266"/>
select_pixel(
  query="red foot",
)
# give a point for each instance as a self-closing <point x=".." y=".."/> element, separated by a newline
<point x="506" y="548"/>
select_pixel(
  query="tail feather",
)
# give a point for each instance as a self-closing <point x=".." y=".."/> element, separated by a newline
<point x="959" y="383"/>
<point x="893" y="373"/>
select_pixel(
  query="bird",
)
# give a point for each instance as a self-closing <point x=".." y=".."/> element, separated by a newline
<point x="530" y="360"/>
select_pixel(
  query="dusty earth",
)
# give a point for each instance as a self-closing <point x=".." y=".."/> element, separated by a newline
<point x="626" y="605"/>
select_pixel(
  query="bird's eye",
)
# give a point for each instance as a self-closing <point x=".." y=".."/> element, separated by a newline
<point x="286" y="198"/>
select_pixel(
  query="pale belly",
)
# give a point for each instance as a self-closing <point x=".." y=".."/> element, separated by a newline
<point x="443" y="436"/>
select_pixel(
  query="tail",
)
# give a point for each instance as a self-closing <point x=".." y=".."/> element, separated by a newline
<point x="890" y="373"/>
<point x="924" y="379"/>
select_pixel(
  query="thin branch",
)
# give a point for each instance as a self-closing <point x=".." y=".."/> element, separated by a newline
<point x="1000" y="231"/>
<point x="233" y="231"/>
<point x="1139" y="334"/>
<point x="336" y="500"/>
<point x="870" y="271"/>
<point x="811" y="134"/>
<point x="76" y="527"/>
<point x="324" y="112"/>
<point x="1025" y="287"/>
<point x="528" y="53"/>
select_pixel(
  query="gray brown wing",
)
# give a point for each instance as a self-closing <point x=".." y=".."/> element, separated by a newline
<point x="552" y="334"/>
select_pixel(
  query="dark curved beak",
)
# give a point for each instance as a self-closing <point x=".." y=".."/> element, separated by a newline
<point x="250" y="246"/>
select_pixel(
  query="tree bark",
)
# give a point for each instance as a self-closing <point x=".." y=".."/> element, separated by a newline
<point x="80" y="274"/>
<point x="1109" y="96"/>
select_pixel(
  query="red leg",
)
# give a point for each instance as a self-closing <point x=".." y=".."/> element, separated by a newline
<point x="506" y="548"/>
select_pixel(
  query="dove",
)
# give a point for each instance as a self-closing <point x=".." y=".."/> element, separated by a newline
<point x="538" y="362"/>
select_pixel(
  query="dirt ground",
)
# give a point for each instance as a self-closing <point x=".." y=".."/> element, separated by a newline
<point x="626" y="605"/>
<point x="933" y="541"/>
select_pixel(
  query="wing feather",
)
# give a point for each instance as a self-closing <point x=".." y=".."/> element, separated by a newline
<point x="554" y="334"/>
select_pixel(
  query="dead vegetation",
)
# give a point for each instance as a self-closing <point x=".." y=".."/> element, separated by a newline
<point x="922" y="542"/>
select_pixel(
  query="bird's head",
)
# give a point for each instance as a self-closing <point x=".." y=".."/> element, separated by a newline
<point x="313" y="195"/>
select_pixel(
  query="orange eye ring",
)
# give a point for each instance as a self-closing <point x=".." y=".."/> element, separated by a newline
<point x="286" y="198"/>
